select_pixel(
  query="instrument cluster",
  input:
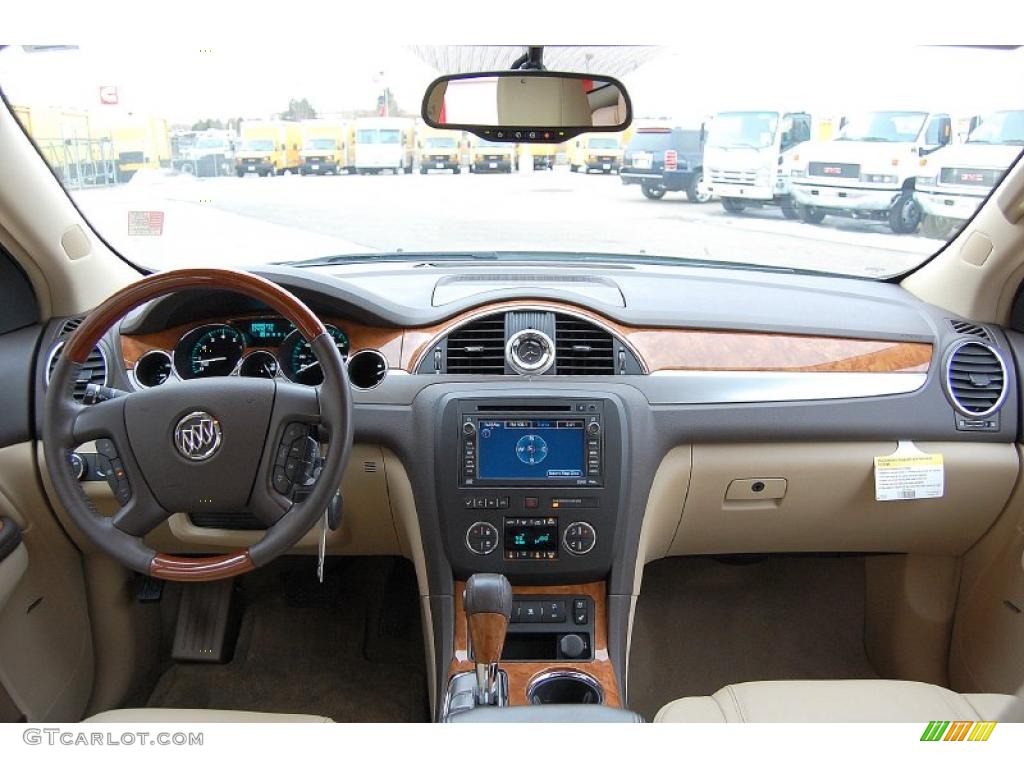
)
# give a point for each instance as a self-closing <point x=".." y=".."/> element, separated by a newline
<point x="262" y="347"/>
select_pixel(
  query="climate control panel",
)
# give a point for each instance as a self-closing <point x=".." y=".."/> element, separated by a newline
<point x="530" y="487"/>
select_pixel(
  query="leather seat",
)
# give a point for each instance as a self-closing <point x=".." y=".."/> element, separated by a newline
<point x="839" y="701"/>
<point x="157" y="715"/>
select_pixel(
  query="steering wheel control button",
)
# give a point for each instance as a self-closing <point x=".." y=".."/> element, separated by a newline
<point x="482" y="538"/>
<point x="197" y="436"/>
<point x="105" y="447"/>
<point x="579" y="538"/>
<point x="280" y="481"/>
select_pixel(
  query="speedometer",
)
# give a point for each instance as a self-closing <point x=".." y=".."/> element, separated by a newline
<point x="298" y="361"/>
<point x="209" y="350"/>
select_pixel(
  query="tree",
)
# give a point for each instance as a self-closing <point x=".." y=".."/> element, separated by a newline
<point x="299" y="109"/>
<point x="207" y="124"/>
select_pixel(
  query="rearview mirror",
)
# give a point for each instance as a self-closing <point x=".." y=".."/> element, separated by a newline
<point x="529" y="106"/>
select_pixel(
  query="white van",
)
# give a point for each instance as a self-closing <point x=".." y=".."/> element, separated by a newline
<point x="868" y="170"/>
<point x="384" y="143"/>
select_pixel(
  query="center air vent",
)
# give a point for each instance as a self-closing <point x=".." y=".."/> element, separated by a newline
<point x="94" y="370"/>
<point x="582" y="348"/>
<point x="976" y="379"/>
<point x="478" y="346"/>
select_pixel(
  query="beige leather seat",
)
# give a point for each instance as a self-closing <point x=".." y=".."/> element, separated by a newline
<point x="156" y="715"/>
<point x="838" y="701"/>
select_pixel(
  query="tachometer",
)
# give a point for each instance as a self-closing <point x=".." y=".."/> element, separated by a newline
<point x="298" y="361"/>
<point x="209" y="350"/>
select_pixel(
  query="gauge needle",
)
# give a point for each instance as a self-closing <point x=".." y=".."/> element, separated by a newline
<point x="209" y="360"/>
<point x="307" y="366"/>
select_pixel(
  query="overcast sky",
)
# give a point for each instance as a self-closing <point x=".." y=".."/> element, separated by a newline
<point x="186" y="84"/>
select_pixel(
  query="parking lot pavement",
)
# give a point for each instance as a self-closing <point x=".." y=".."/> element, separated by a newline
<point x="249" y="220"/>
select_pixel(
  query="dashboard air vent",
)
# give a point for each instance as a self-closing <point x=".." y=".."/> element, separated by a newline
<point x="582" y="348"/>
<point x="967" y="328"/>
<point x="976" y="379"/>
<point x="478" y="347"/>
<point x="94" y="371"/>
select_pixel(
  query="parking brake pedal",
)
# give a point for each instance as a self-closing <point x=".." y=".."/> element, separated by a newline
<point x="206" y="630"/>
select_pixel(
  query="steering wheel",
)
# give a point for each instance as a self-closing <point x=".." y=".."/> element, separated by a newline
<point x="228" y="444"/>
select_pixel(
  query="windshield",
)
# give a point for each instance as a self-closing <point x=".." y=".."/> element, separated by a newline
<point x="883" y="126"/>
<point x="258" y="145"/>
<point x="753" y="130"/>
<point x="378" y="136"/>
<point x="320" y="144"/>
<point x="1005" y="127"/>
<point x="133" y="147"/>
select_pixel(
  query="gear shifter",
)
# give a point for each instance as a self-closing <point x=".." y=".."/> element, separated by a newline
<point x="488" y="604"/>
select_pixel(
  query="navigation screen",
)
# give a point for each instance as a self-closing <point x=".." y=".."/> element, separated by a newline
<point x="530" y="449"/>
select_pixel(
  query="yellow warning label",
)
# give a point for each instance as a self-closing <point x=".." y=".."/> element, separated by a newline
<point x="908" y="474"/>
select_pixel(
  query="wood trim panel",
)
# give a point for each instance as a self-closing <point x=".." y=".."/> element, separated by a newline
<point x="680" y="349"/>
<point x="388" y="341"/>
<point x="660" y="349"/>
<point x="520" y="673"/>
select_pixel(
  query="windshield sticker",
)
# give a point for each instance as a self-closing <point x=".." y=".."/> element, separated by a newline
<point x="145" y="222"/>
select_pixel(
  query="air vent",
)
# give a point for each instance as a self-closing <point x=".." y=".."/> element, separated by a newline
<point x="478" y="346"/>
<point x="94" y="370"/>
<point x="70" y="326"/>
<point x="965" y="328"/>
<point x="582" y="348"/>
<point x="976" y="379"/>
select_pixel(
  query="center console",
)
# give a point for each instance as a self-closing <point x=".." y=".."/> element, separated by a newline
<point x="530" y="487"/>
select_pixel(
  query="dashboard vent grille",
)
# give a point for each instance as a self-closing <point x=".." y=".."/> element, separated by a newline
<point x="966" y="328"/>
<point x="582" y="348"/>
<point x="94" y="371"/>
<point x="976" y="378"/>
<point x="478" y="346"/>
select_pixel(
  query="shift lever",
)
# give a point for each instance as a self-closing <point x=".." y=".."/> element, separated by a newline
<point x="488" y="604"/>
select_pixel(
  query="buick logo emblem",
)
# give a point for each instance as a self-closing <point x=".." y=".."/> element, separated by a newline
<point x="197" y="436"/>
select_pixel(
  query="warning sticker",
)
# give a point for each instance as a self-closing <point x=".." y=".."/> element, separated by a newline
<point x="145" y="222"/>
<point x="909" y="473"/>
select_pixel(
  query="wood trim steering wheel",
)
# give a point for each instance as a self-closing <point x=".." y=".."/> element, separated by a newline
<point x="254" y="420"/>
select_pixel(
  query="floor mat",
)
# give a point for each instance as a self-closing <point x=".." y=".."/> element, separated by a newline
<point x="350" y="649"/>
<point x="702" y="623"/>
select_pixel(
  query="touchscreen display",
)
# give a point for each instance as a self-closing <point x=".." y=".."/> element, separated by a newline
<point x="530" y="449"/>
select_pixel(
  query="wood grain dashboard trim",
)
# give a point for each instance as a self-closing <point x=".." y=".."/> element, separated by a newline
<point x="521" y="673"/>
<point x="668" y="349"/>
<point x="659" y="349"/>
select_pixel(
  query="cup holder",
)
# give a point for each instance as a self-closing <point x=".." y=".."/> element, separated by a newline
<point x="565" y="687"/>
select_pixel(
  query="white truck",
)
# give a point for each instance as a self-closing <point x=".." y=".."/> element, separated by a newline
<point x="747" y="154"/>
<point x="868" y="170"/>
<point x="955" y="180"/>
<point x="384" y="143"/>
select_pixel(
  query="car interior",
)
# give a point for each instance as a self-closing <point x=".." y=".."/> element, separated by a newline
<point x="452" y="489"/>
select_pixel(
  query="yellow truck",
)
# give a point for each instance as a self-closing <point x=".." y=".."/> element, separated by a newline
<point x="139" y="141"/>
<point x="269" y="147"/>
<point x="438" y="150"/>
<point x="491" y="156"/>
<point x="79" y="151"/>
<point x="325" y="147"/>
<point x="595" y="152"/>
<point x="542" y="156"/>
